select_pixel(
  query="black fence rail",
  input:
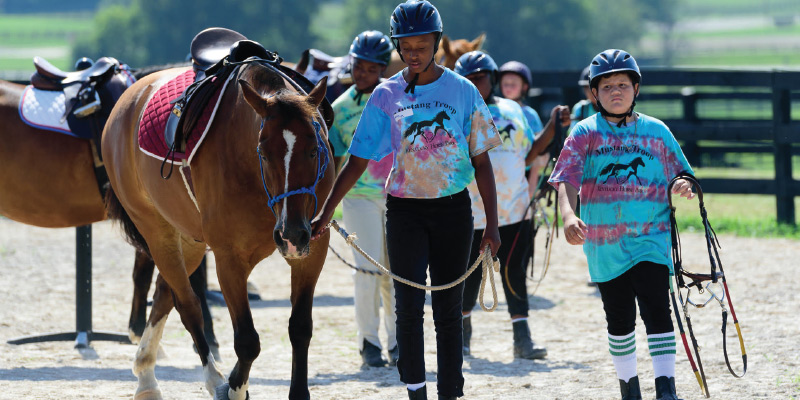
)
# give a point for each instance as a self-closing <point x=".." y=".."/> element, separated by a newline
<point x="771" y="130"/>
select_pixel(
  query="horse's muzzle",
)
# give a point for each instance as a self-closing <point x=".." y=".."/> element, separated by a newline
<point x="294" y="241"/>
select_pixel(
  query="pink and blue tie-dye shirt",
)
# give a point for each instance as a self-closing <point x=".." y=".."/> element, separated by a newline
<point x="372" y="182"/>
<point x="508" y="163"/>
<point x="622" y="175"/>
<point x="432" y="134"/>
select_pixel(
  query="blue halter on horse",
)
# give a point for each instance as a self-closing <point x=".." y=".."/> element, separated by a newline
<point x="322" y="166"/>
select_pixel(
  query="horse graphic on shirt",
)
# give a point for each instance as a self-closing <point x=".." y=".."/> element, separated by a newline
<point x="623" y="172"/>
<point x="418" y="128"/>
<point x="505" y="133"/>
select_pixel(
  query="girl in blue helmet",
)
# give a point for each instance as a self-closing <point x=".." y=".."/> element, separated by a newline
<point x="621" y="163"/>
<point x="364" y="206"/>
<point x="521" y="145"/>
<point x="438" y="130"/>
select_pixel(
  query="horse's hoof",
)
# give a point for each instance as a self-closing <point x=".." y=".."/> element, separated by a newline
<point x="222" y="392"/>
<point x="148" y="394"/>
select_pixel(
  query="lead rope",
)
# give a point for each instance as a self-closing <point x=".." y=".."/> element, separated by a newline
<point x="485" y="261"/>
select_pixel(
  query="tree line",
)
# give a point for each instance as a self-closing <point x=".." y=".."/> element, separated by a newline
<point x="543" y="34"/>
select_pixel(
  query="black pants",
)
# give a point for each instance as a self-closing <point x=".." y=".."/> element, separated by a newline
<point x="512" y="270"/>
<point x="435" y="233"/>
<point x="646" y="282"/>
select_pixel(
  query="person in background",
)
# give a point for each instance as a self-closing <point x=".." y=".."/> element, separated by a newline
<point x="364" y="206"/>
<point x="586" y="107"/>
<point x="521" y="145"/>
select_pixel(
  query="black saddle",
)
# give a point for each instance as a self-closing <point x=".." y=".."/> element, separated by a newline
<point x="50" y="77"/>
<point x="212" y="45"/>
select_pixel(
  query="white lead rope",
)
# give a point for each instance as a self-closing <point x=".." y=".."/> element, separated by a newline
<point x="488" y="265"/>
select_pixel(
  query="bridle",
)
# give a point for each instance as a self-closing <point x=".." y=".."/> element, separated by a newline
<point x="715" y="283"/>
<point x="322" y="166"/>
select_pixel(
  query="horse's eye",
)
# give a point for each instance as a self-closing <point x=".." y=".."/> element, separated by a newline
<point x="314" y="153"/>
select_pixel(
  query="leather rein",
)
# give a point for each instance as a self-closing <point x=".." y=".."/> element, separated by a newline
<point x="714" y="283"/>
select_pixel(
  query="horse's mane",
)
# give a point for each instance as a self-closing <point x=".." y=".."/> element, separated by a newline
<point x="290" y="104"/>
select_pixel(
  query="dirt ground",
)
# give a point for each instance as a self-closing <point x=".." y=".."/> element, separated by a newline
<point x="37" y="268"/>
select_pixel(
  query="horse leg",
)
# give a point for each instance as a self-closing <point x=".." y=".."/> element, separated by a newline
<point x="199" y="281"/>
<point x="305" y="273"/>
<point x="143" y="268"/>
<point x="232" y="273"/>
<point x="146" y="354"/>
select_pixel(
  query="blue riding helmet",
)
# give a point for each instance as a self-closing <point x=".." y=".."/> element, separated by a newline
<point x="83" y="63"/>
<point x="372" y="46"/>
<point x="583" y="80"/>
<point x="516" y="67"/>
<point x="474" y="62"/>
<point x="413" y="18"/>
<point x="613" y="61"/>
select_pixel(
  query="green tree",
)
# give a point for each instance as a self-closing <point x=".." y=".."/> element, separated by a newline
<point x="160" y="31"/>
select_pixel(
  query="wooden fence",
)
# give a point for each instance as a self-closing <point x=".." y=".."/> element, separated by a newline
<point x="778" y="135"/>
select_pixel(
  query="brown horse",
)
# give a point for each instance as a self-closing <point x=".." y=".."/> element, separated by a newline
<point x="259" y="110"/>
<point x="449" y="51"/>
<point x="49" y="181"/>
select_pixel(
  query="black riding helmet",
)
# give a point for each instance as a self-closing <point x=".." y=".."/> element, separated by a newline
<point x="83" y="63"/>
<point x="516" y="67"/>
<point x="372" y="46"/>
<point x="474" y="62"/>
<point x="583" y="80"/>
<point x="609" y="62"/>
<point x="414" y="18"/>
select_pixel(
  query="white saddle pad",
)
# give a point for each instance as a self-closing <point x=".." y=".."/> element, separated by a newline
<point x="43" y="109"/>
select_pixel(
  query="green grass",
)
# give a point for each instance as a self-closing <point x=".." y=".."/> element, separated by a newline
<point x="26" y="63"/>
<point x="784" y="58"/>
<point x="40" y="31"/>
<point x="740" y="215"/>
<point x="708" y="8"/>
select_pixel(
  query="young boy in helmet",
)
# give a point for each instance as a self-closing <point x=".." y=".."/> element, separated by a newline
<point x="586" y="107"/>
<point x="364" y="206"/>
<point x="438" y="130"/>
<point x="621" y="163"/>
<point x="515" y="80"/>
<point x="520" y="147"/>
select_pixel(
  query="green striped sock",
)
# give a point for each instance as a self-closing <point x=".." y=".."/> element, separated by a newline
<point x="662" y="350"/>
<point x="623" y="353"/>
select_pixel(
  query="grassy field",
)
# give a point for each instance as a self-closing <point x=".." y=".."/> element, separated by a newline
<point x="50" y="36"/>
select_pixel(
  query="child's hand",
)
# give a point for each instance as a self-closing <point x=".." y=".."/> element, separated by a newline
<point x="319" y="225"/>
<point x="561" y="113"/>
<point x="492" y="238"/>
<point x="574" y="230"/>
<point x="683" y="188"/>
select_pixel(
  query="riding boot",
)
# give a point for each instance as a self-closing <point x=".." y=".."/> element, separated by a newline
<point x="630" y="390"/>
<point x="371" y="355"/>
<point x="466" y="329"/>
<point x="419" y="394"/>
<point x="665" y="388"/>
<point x="523" y="345"/>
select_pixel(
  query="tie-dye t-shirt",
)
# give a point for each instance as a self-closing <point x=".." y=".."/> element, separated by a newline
<point x="347" y="111"/>
<point x="431" y="134"/>
<point x="622" y="175"/>
<point x="508" y="163"/>
<point x="533" y="119"/>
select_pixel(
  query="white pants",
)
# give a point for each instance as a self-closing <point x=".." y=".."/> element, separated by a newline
<point x="367" y="218"/>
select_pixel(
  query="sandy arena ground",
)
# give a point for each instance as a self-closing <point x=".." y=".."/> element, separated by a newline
<point x="37" y="268"/>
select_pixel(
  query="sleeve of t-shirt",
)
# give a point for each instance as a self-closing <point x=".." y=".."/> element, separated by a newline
<point x="569" y="167"/>
<point x="372" y="138"/>
<point x="482" y="135"/>
<point x="533" y="119"/>
<point x="674" y="160"/>
<point x="530" y="133"/>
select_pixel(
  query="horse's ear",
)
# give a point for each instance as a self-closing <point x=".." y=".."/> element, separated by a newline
<point x="478" y="42"/>
<point x="253" y="98"/>
<point x="317" y="94"/>
<point x="445" y="45"/>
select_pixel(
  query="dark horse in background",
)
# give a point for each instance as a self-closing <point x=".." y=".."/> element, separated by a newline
<point x="261" y="109"/>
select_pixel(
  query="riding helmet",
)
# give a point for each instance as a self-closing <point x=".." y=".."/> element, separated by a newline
<point x="83" y="63"/>
<point x="474" y="62"/>
<point x="516" y="67"/>
<point x="583" y="80"/>
<point x="612" y="61"/>
<point x="413" y="18"/>
<point x="372" y="46"/>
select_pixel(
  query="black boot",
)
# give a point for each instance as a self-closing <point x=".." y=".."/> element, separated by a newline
<point x="466" y="329"/>
<point x="371" y="355"/>
<point x="665" y="388"/>
<point x="630" y="390"/>
<point x="419" y="394"/>
<point x="447" y="397"/>
<point x="523" y="345"/>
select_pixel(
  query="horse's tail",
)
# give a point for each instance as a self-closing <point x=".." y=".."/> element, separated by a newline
<point x="117" y="213"/>
<point x="608" y="168"/>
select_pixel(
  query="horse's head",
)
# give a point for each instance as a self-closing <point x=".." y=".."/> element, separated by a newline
<point x="442" y="115"/>
<point x="293" y="155"/>
<point x="451" y="50"/>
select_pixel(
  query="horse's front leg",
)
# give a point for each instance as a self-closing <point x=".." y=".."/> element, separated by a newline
<point x="305" y="273"/>
<point x="232" y="273"/>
